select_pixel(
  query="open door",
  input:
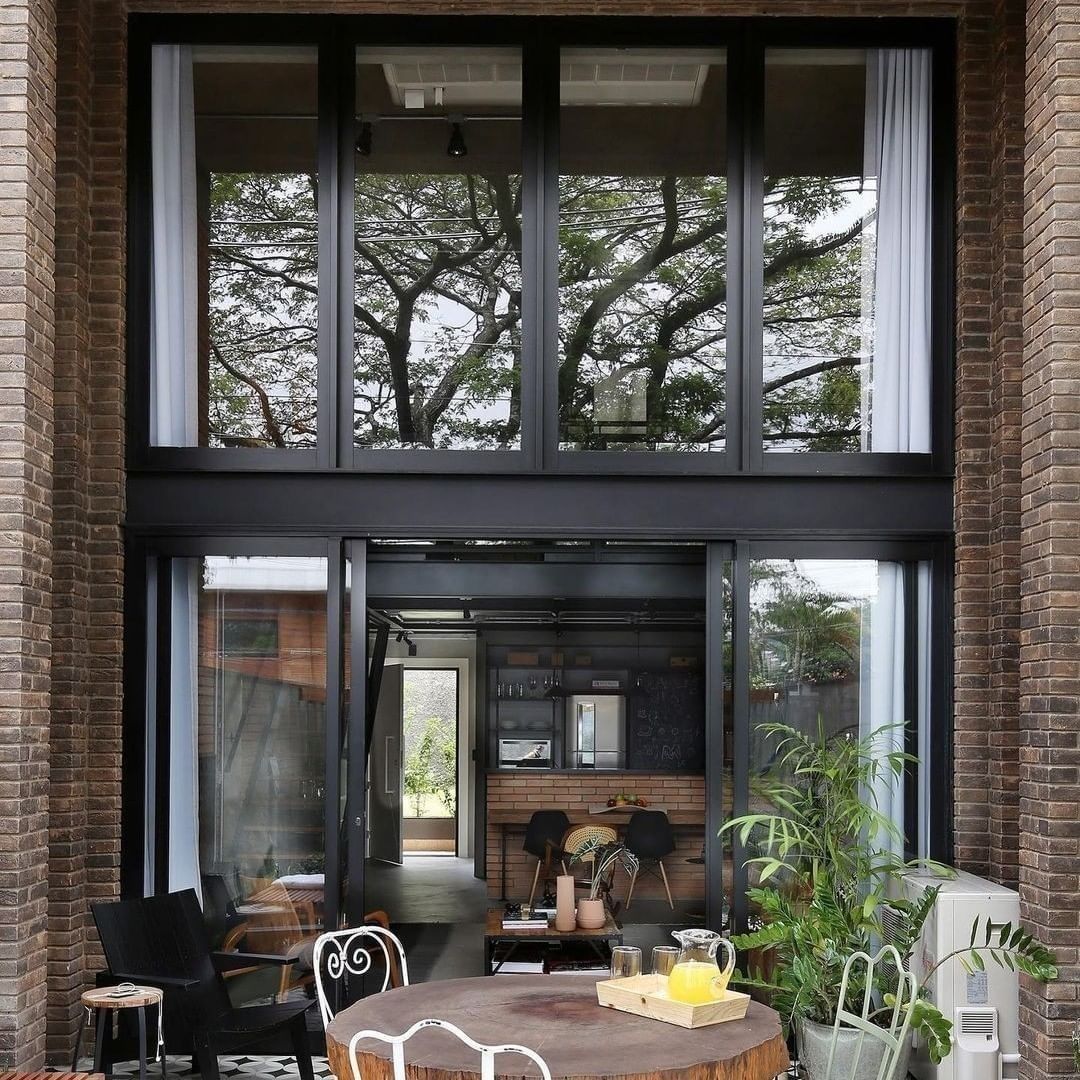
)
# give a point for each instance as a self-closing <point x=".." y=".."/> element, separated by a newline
<point x="385" y="777"/>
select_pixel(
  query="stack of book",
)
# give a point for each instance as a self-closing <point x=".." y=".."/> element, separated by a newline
<point x="535" y="921"/>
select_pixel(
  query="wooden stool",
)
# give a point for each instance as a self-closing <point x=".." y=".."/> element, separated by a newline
<point x="104" y="1001"/>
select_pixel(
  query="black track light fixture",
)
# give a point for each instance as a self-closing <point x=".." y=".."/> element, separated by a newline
<point x="456" y="146"/>
<point x="363" y="140"/>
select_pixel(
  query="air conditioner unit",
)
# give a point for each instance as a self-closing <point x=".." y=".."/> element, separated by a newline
<point x="965" y="998"/>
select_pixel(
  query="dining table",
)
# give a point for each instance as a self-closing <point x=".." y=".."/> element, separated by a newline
<point x="557" y="1016"/>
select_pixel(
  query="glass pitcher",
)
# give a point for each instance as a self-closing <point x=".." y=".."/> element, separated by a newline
<point x="696" y="978"/>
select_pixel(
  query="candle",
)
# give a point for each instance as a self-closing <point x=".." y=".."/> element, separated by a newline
<point x="565" y="918"/>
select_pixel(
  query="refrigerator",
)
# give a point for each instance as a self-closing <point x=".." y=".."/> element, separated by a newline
<point x="596" y="731"/>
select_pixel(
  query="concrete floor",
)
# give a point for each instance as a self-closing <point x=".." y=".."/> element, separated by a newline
<point x="437" y="908"/>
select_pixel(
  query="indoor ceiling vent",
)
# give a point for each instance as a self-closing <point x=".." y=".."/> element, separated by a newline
<point x="461" y="78"/>
<point x="634" y="77"/>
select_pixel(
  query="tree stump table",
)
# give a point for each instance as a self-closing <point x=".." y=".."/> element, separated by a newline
<point x="558" y="1017"/>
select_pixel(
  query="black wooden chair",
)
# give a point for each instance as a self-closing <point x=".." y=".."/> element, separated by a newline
<point x="543" y="839"/>
<point x="650" y="837"/>
<point x="162" y="941"/>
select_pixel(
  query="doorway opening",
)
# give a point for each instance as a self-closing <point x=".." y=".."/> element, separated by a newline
<point x="429" y="724"/>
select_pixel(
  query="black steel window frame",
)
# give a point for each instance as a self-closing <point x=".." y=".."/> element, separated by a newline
<point x="540" y="39"/>
<point x="145" y="798"/>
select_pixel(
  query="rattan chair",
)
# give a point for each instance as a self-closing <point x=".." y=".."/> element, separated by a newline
<point x="582" y="842"/>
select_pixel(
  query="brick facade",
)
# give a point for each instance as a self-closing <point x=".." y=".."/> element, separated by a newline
<point x="1017" y="739"/>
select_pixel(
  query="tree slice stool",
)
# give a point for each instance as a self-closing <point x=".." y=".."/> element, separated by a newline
<point x="105" y="1001"/>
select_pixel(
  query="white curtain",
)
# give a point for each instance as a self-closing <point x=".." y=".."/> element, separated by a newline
<point x="896" y="333"/>
<point x="184" y="729"/>
<point x="173" y="268"/>
<point x="897" y="405"/>
<point x="881" y="693"/>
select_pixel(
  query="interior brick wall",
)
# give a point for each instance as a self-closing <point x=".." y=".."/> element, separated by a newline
<point x="1002" y="649"/>
<point x="522" y="793"/>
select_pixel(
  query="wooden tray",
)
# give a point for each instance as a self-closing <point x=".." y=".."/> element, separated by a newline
<point x="644" y="995"/>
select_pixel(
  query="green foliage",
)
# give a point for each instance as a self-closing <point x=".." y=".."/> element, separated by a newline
<point x="430" y="763"/>
<point x="824" y="811"/>
<point x="824" y="887"/>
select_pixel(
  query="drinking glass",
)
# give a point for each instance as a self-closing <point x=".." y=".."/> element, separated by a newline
<point x="663" y="959"/>
<point x="625" y="961"/>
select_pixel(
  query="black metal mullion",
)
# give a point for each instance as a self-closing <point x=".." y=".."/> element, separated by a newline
<point x="910" y="572"/>
<point x="939" y="768"/>
<point x="717" y="557"/>
<point x="335" y="675"/>
<point x="136" y="817"/>
<point x="740" y="725"/>
<point x="345" y="252"/>
<point x="547" y="233"/>
<point x="162" y="718"/>
<point x="357" y="750"/>
<point x="752" y="249"/>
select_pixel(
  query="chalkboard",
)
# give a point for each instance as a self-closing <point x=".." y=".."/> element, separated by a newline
<point x="667" y="723"/>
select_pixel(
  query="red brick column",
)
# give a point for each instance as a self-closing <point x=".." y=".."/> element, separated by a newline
<point x="1050" y="537"/>
<point x="27" y="223"/>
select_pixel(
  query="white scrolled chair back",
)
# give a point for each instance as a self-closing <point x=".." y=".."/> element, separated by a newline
<point x="354" y="952"/>
<point x="892" y="1037"/>
<point x="397" y="1042"/>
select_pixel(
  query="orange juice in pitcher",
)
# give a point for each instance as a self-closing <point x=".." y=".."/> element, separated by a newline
<point x="696" y="978"/>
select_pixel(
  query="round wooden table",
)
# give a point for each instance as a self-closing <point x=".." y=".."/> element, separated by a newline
<point x="558" y="1017"/>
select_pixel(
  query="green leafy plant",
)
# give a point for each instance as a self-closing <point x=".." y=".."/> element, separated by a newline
<point x="825" y="878"/>
<point x="605" y="858"/>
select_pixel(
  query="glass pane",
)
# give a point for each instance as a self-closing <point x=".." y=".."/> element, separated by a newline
<point x="827" y="658"/>
<point x="642" y="250"/>
<point x="438" y="249"/>
<point x="234" y="275"/>
<point x="846" y="318"/>
<point x="259" y="625"/>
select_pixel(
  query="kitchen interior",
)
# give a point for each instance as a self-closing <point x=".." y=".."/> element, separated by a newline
<point x="584" y="692"/>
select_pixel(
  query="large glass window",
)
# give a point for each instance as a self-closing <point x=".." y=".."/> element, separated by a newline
<point x="234" y="247"/>
<point x="642" y="250"/>
<point x="247" y="750"/>
<point x="847" y="283"/>
<point x="438" y="301"/>
<point x="829" y="651"/>
<point x="456" y="343"/>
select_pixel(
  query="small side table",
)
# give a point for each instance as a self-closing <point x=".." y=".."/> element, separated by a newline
<point x="104" y="1001"/>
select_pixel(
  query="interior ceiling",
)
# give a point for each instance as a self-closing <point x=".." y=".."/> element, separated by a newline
<point x="259" y="116"/>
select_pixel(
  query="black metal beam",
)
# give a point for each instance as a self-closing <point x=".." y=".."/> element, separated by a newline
<point x="606" y="507"/>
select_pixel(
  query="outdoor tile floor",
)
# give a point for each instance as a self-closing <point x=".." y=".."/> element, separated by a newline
<point x="262" y="1066"/>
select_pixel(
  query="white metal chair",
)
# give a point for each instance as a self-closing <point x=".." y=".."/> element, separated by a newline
<point x="353" y="952"/>
<point x="487" y="1053"/>
<point x="893" y="1037"/>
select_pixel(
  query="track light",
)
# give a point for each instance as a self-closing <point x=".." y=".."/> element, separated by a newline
<point x="456" y="146"/>
<point x="466" y="614"/>
<point x="363" y="140"/>
<point x="412" y="646"/>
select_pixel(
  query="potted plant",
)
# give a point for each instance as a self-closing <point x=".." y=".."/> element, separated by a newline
<point x="825" y="877"/>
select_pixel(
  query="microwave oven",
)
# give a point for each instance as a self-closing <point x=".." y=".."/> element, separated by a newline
<point x="525" y="754"/>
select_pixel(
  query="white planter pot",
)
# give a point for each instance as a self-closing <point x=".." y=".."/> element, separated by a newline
<point x="815" y="1039"/>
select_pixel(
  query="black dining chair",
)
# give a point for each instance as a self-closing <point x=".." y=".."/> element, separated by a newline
<point x="162" y="941"/>
<point x="649" y="836"/>
<point x="543" y="839"/>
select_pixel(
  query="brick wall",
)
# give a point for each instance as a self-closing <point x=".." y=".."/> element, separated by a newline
<point x="1049" y="826"/>
<point x="994" y="665"/>
<point x="27" y="222"/>
<point x="522" y="793"/>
